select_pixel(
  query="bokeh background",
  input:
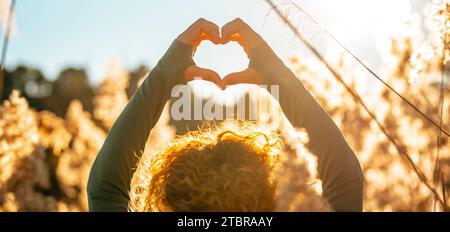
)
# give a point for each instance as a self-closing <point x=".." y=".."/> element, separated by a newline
<point x="75" y="64"/>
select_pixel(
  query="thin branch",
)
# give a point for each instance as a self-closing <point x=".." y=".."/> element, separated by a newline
<point x="437" y="165"/>
<point x="444" y="193"/>
<point x="424" y="96"/>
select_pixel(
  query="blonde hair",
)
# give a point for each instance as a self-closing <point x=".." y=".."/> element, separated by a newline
<point x="220" y="168"/>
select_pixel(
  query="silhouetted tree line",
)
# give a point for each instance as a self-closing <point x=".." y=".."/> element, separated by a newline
<point x="55" y="96"/>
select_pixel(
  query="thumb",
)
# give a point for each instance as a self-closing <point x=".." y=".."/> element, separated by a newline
<point x="248" y="76"/>
<point x="196" y="73"/>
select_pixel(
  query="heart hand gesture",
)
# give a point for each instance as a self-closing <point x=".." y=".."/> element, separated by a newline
<point x="237" y="31"/>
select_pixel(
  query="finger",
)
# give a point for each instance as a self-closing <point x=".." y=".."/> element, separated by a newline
<point x="206" y="30"/>
<point x="248" y="76"/>
<point x="239" y="31"/>
<point x="211" y="31"/>
<point x="201" y="29"/>
<point x="229" y="29"/>
<point x="212" y="76"/>
<point x="196" y="73"/>
<point x="190" y="73"/>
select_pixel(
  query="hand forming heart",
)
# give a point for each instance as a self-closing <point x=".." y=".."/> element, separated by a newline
<point x="236" y="30"/>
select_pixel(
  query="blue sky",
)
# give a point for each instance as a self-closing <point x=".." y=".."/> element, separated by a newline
<point x="53" y="34"/>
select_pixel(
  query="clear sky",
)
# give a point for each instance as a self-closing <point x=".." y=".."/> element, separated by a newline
<point x="53" y="34"/>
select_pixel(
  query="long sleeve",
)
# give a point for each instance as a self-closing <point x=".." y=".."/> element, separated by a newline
<point x="338" y="167"/>
<point x="111" y="173"/>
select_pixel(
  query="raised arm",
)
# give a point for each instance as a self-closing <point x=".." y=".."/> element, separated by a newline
<point x="339" y="169"/>
<point x="111" y="173"/>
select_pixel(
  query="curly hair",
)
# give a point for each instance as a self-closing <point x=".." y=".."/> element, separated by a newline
<point x="221" y="168"/>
